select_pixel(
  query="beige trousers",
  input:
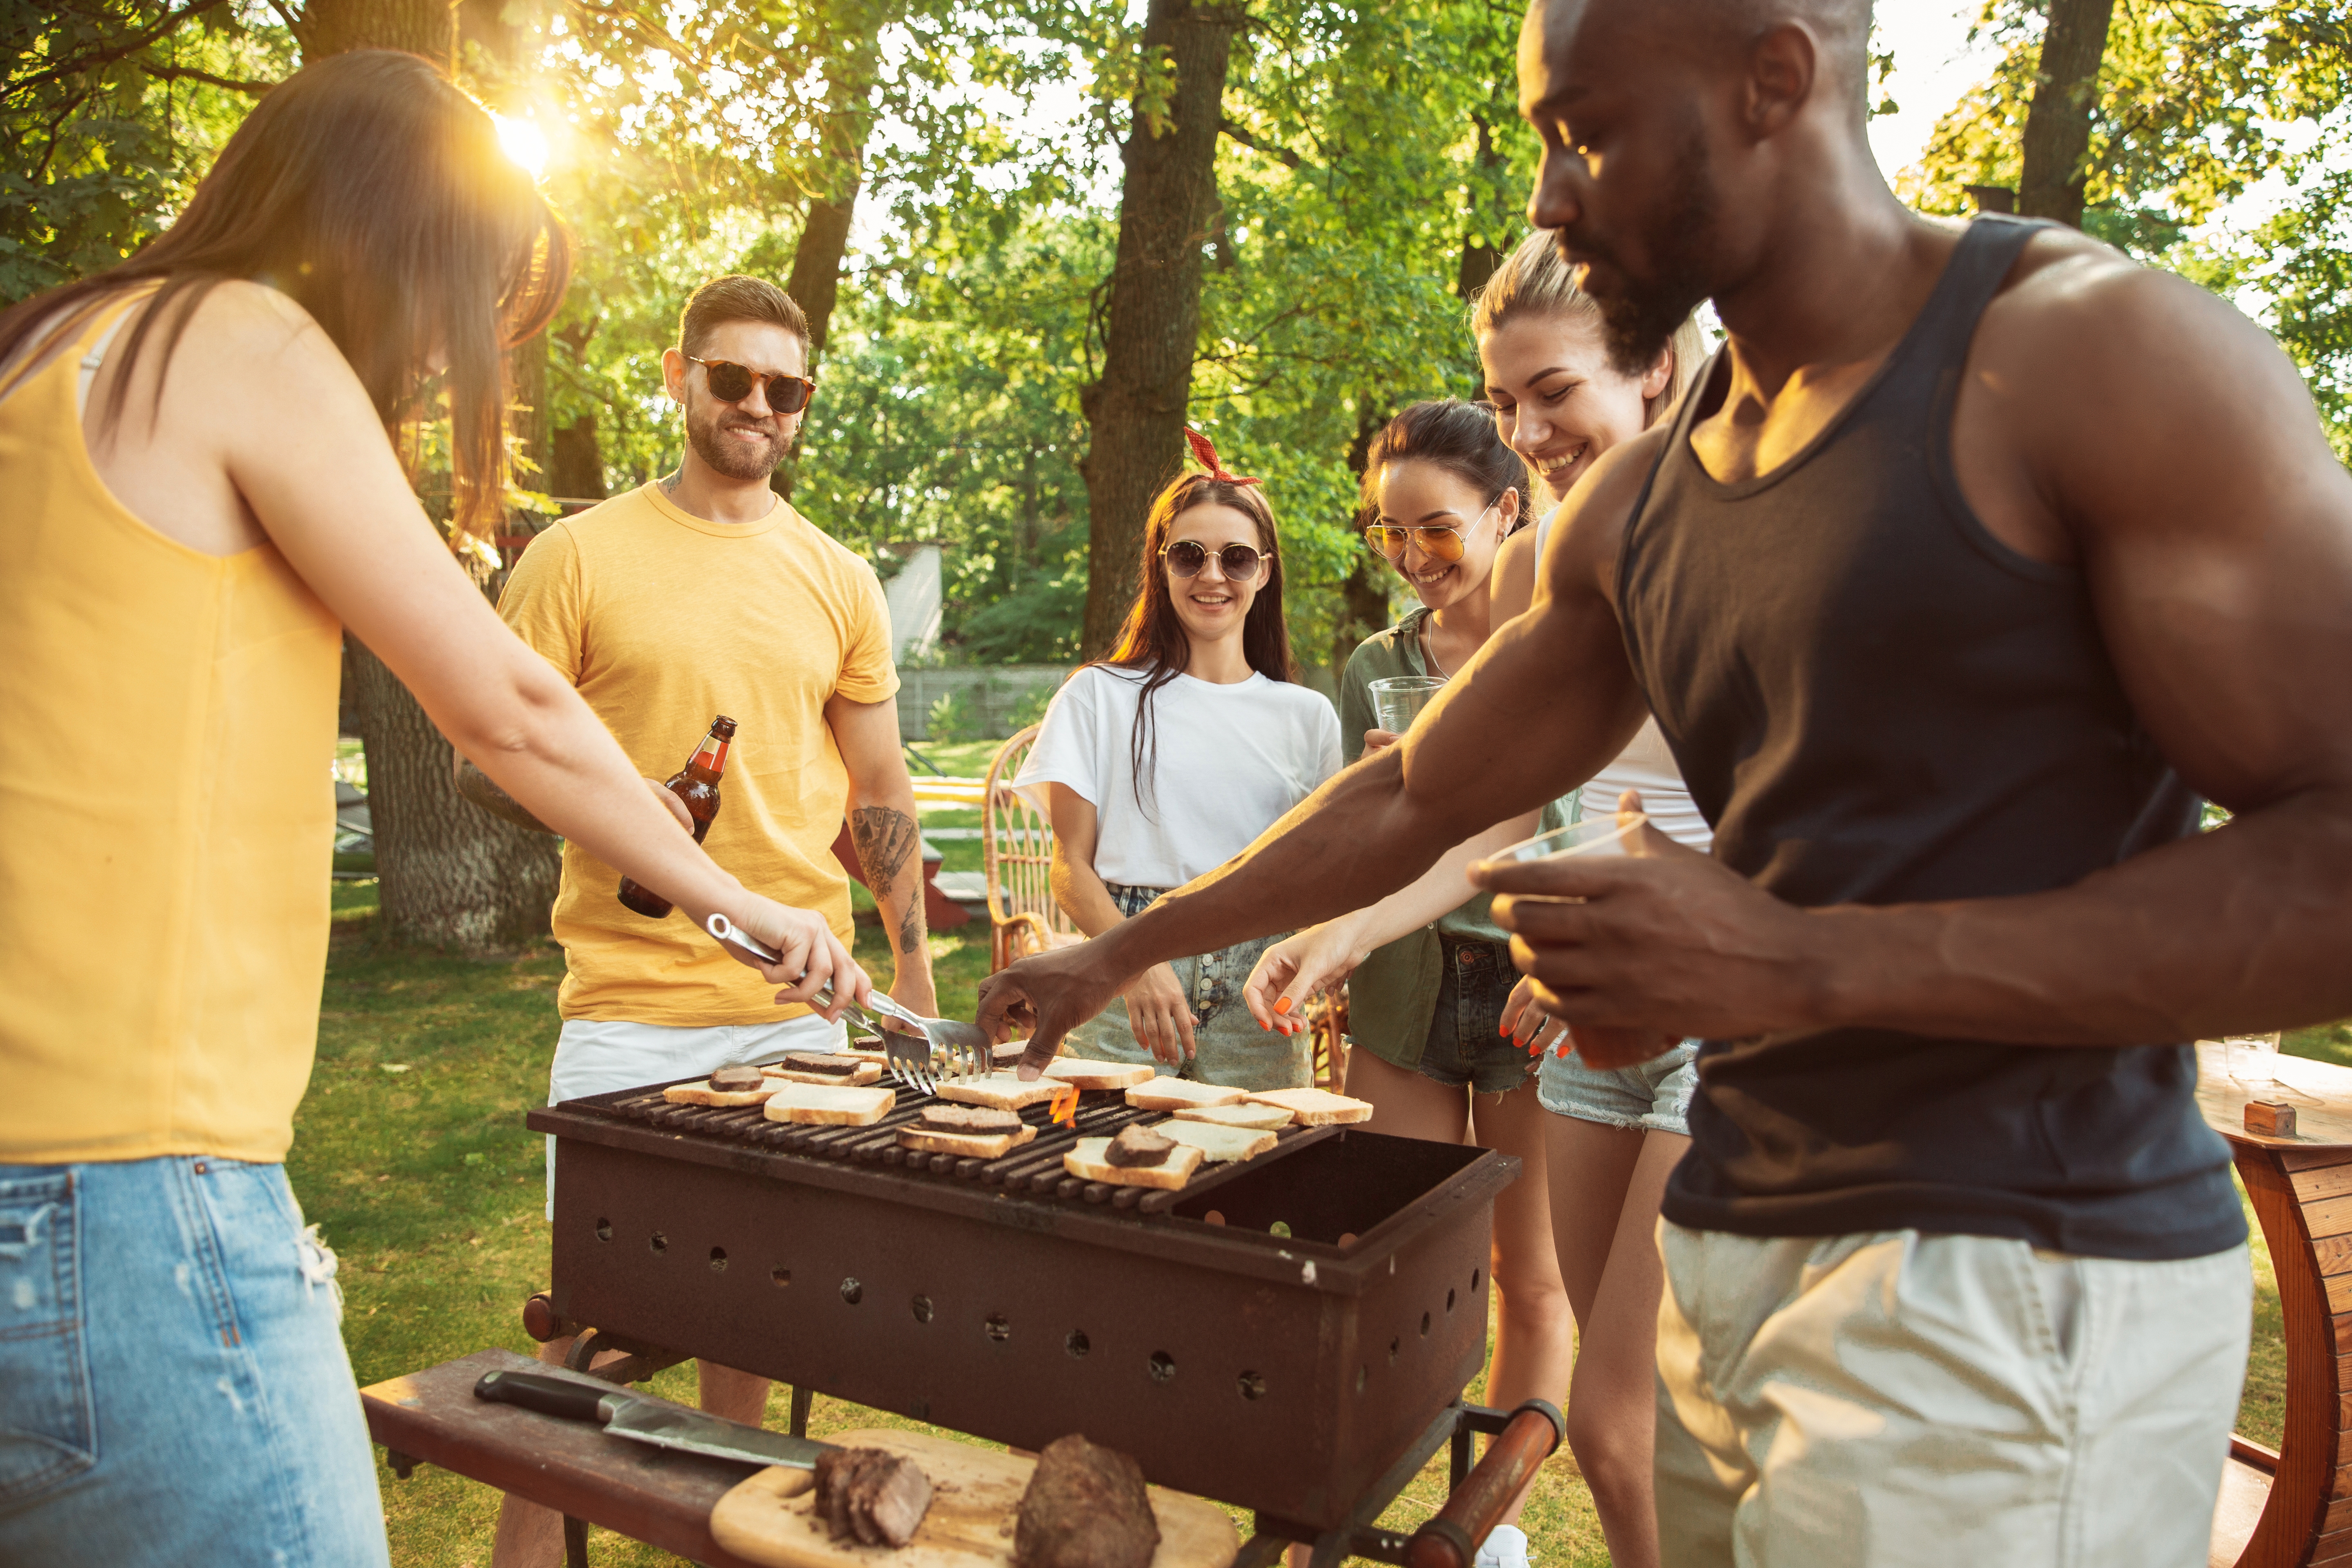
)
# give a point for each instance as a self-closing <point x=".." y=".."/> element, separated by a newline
<point x="1898" y="1399"/>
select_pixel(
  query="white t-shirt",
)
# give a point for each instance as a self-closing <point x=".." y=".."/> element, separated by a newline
<point x="1648" y="765"/>
<point x="1229" y="761"/>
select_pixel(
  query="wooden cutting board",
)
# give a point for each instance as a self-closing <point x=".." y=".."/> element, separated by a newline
<point x="975" y="1493"/>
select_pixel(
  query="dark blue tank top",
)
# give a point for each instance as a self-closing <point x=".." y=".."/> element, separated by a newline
<point x="1875" y="702"/>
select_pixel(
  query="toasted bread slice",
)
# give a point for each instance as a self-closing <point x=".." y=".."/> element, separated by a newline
<point x="866" y="1073"/>
<point x="1009" y="1054"/>
<point x="1264" y="1118"/>
<point x="1315" y="1107"/>
<point x="1089" y="1161"/>
<point x="1001" y="1089"/>
<point x="1098" y="1074"/>
<point x="703" y="1094"/>
<point x="830" y="1104"/>
<point x="992" y="1146"/>
<point x="1182" y="1094"/>
<point x="1219" y="1143"/>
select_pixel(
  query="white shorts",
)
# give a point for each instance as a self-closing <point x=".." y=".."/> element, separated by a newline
<point x="1900" y="1400"/>
<point x="594" y="1057"/>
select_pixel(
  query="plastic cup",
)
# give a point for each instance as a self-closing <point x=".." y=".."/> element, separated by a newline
<point x="2253" y="1058"/>
<point x="1593" y="836"/>
<point x="1399" y="700"/>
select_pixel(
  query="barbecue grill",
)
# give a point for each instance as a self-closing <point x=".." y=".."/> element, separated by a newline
<point x="1281" y="1335"/>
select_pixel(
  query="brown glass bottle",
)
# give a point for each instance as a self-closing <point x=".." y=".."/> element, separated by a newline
<point x="696" y="783"/>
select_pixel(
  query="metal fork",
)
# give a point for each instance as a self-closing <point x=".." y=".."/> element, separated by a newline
<point x="963" y="1050"/>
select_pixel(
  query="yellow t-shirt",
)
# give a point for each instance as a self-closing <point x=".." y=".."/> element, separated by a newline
<point x="663" y="621"/>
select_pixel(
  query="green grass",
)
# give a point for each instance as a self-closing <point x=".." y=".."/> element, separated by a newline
<point x="412" y="1154"/>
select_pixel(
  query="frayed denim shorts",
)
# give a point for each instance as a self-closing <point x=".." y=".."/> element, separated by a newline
<point x="174" y="1391"/>
<point x="1654" y="1096"/>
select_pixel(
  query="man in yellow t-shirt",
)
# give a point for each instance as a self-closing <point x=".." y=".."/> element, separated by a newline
<point x="699" y="594"/>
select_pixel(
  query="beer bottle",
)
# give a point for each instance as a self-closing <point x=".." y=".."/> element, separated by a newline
<point x="696" y="783"/>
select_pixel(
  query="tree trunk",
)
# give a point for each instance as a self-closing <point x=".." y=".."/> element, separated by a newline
<point x="1364" y="592"/>
<point x="1480" y="255"/>
<point x="2058" y="124"/>
<point x="815" y="282"/>
<point x="450" y="873"/>
<point x="1135" y="414"/>
<point x="575" y="469"/>
<point x="428" y="27"/>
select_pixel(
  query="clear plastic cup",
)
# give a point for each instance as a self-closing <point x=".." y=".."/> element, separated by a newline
<point x="1593" y="836"/>
<point x="1399" y="700"/>
<point x="2253" y="1058"/>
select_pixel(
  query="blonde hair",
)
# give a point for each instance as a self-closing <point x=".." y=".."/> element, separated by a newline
<point x="1533" y="282"/>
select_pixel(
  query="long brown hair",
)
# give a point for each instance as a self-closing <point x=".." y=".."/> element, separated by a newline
<point x="1152" y="638"/>
<point x="374" y="193"/>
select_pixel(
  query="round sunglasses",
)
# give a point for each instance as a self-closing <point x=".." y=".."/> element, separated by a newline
<point x="732" y="382"/>
<point x="1239" y="563"/>
<point x="1444" y="542"/>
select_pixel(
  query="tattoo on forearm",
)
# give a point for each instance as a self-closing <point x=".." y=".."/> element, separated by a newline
<point x="887" y="841"/>
<point x="478" y="787"/>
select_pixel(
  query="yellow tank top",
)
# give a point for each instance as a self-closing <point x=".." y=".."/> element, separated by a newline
<point x="167" y="728"/>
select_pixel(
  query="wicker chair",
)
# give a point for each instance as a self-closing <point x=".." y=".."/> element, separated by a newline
<point x="1016" y="856"/>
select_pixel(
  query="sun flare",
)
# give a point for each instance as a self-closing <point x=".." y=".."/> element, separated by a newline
<point x="522" y="140"/>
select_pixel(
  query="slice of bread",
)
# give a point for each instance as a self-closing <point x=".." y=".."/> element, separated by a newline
<point x="830" y="1104"/>
<point x="1315" y="1107"/>
<point x="1098" y="1074"/>
<point x="1265" y="1117"/>
<point x="867" y="1072"/>
<point x="994" y="1146"/>
<point x="1181" y="1093"/>
<point x="1089" y="1161"/>
<point x="703" y="1094"/>
<point x="1002" y="1090"/>
<point x="1219" y="1143"/>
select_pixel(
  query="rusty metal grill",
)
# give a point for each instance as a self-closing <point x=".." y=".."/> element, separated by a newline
<point x="1033" y="1168"/>
<point x="1277" y="1334"/>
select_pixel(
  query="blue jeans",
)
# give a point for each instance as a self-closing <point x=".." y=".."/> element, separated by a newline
<point x="1229" y="1048"/>
<point x="173" y="1390"/>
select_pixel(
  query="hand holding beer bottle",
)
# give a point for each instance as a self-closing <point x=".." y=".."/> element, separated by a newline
<point x="696" y="786"/>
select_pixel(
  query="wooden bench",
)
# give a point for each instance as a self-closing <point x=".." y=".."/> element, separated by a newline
<point x="2294" y="1507"/>
<point x="652" y="1494"/>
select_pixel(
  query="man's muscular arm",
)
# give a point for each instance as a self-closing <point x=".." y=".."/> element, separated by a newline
<point x="887" y="837"/>
<point x="2129" y="424"/>
<point x="1546" y="703"/>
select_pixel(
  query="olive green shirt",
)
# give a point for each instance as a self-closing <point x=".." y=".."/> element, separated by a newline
<point x="1392" y="995"/>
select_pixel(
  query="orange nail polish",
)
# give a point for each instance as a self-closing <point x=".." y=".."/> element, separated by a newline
<point x="1282" y="1004"/>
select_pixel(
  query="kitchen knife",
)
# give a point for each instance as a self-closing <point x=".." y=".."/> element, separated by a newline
<point x="624" y="1414"/>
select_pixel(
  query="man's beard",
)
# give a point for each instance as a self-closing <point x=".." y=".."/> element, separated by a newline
<point x="706" y="432"/>
<point x="1641" y="316"/>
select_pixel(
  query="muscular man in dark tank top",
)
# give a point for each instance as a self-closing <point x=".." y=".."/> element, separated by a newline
<point x="1977" y="556"/>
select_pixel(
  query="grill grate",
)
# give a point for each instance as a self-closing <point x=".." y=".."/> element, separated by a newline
<point x="1033" y="1170"/>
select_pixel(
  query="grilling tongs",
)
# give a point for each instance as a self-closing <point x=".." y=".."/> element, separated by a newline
<point x="961" y="1049"/>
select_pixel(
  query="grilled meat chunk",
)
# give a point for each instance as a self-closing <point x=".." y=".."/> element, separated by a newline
<point x="1140" y="1145"/>
<point x="824" y="1062"/>
<point x="979" y="1121"/>
<point x="734" y="1079"/>
<point x="871" y="1496"/>
<point x="1086" y="1508"/>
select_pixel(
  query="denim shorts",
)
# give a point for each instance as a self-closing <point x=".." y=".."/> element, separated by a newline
<point x="1229" y="1048"/>
<point x="1466" y="1046"/>
<point x="1654" y="1096"/>
<point x="174" y="1392"/>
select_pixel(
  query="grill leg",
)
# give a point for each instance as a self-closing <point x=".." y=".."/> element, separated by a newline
<point x="576" y="1542"/>
<point x="803" y="1397"/>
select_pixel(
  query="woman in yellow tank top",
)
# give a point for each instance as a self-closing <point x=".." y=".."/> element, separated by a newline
<point x="200" y="496"/>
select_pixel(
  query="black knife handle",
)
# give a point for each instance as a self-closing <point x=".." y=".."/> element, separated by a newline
<point x="560" y="1396"/>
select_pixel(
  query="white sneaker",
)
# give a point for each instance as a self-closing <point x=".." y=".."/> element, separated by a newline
<point x="1505" y="1548"/>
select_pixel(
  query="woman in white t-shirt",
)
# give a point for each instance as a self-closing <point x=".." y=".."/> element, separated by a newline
<point x="1163" y="761"/>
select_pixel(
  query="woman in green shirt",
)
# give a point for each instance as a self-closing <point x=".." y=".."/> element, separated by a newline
<point x="1431" y="974"/>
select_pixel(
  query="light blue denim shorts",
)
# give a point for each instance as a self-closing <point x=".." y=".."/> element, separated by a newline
<point x="1650" y="1097"/>
<point x="174" y="1392"/>
<point x="1229" y="1048"/>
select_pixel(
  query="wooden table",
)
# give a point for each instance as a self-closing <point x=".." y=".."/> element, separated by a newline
<point x="656" y="1495"/>
<point x="2294" y="1507"/>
